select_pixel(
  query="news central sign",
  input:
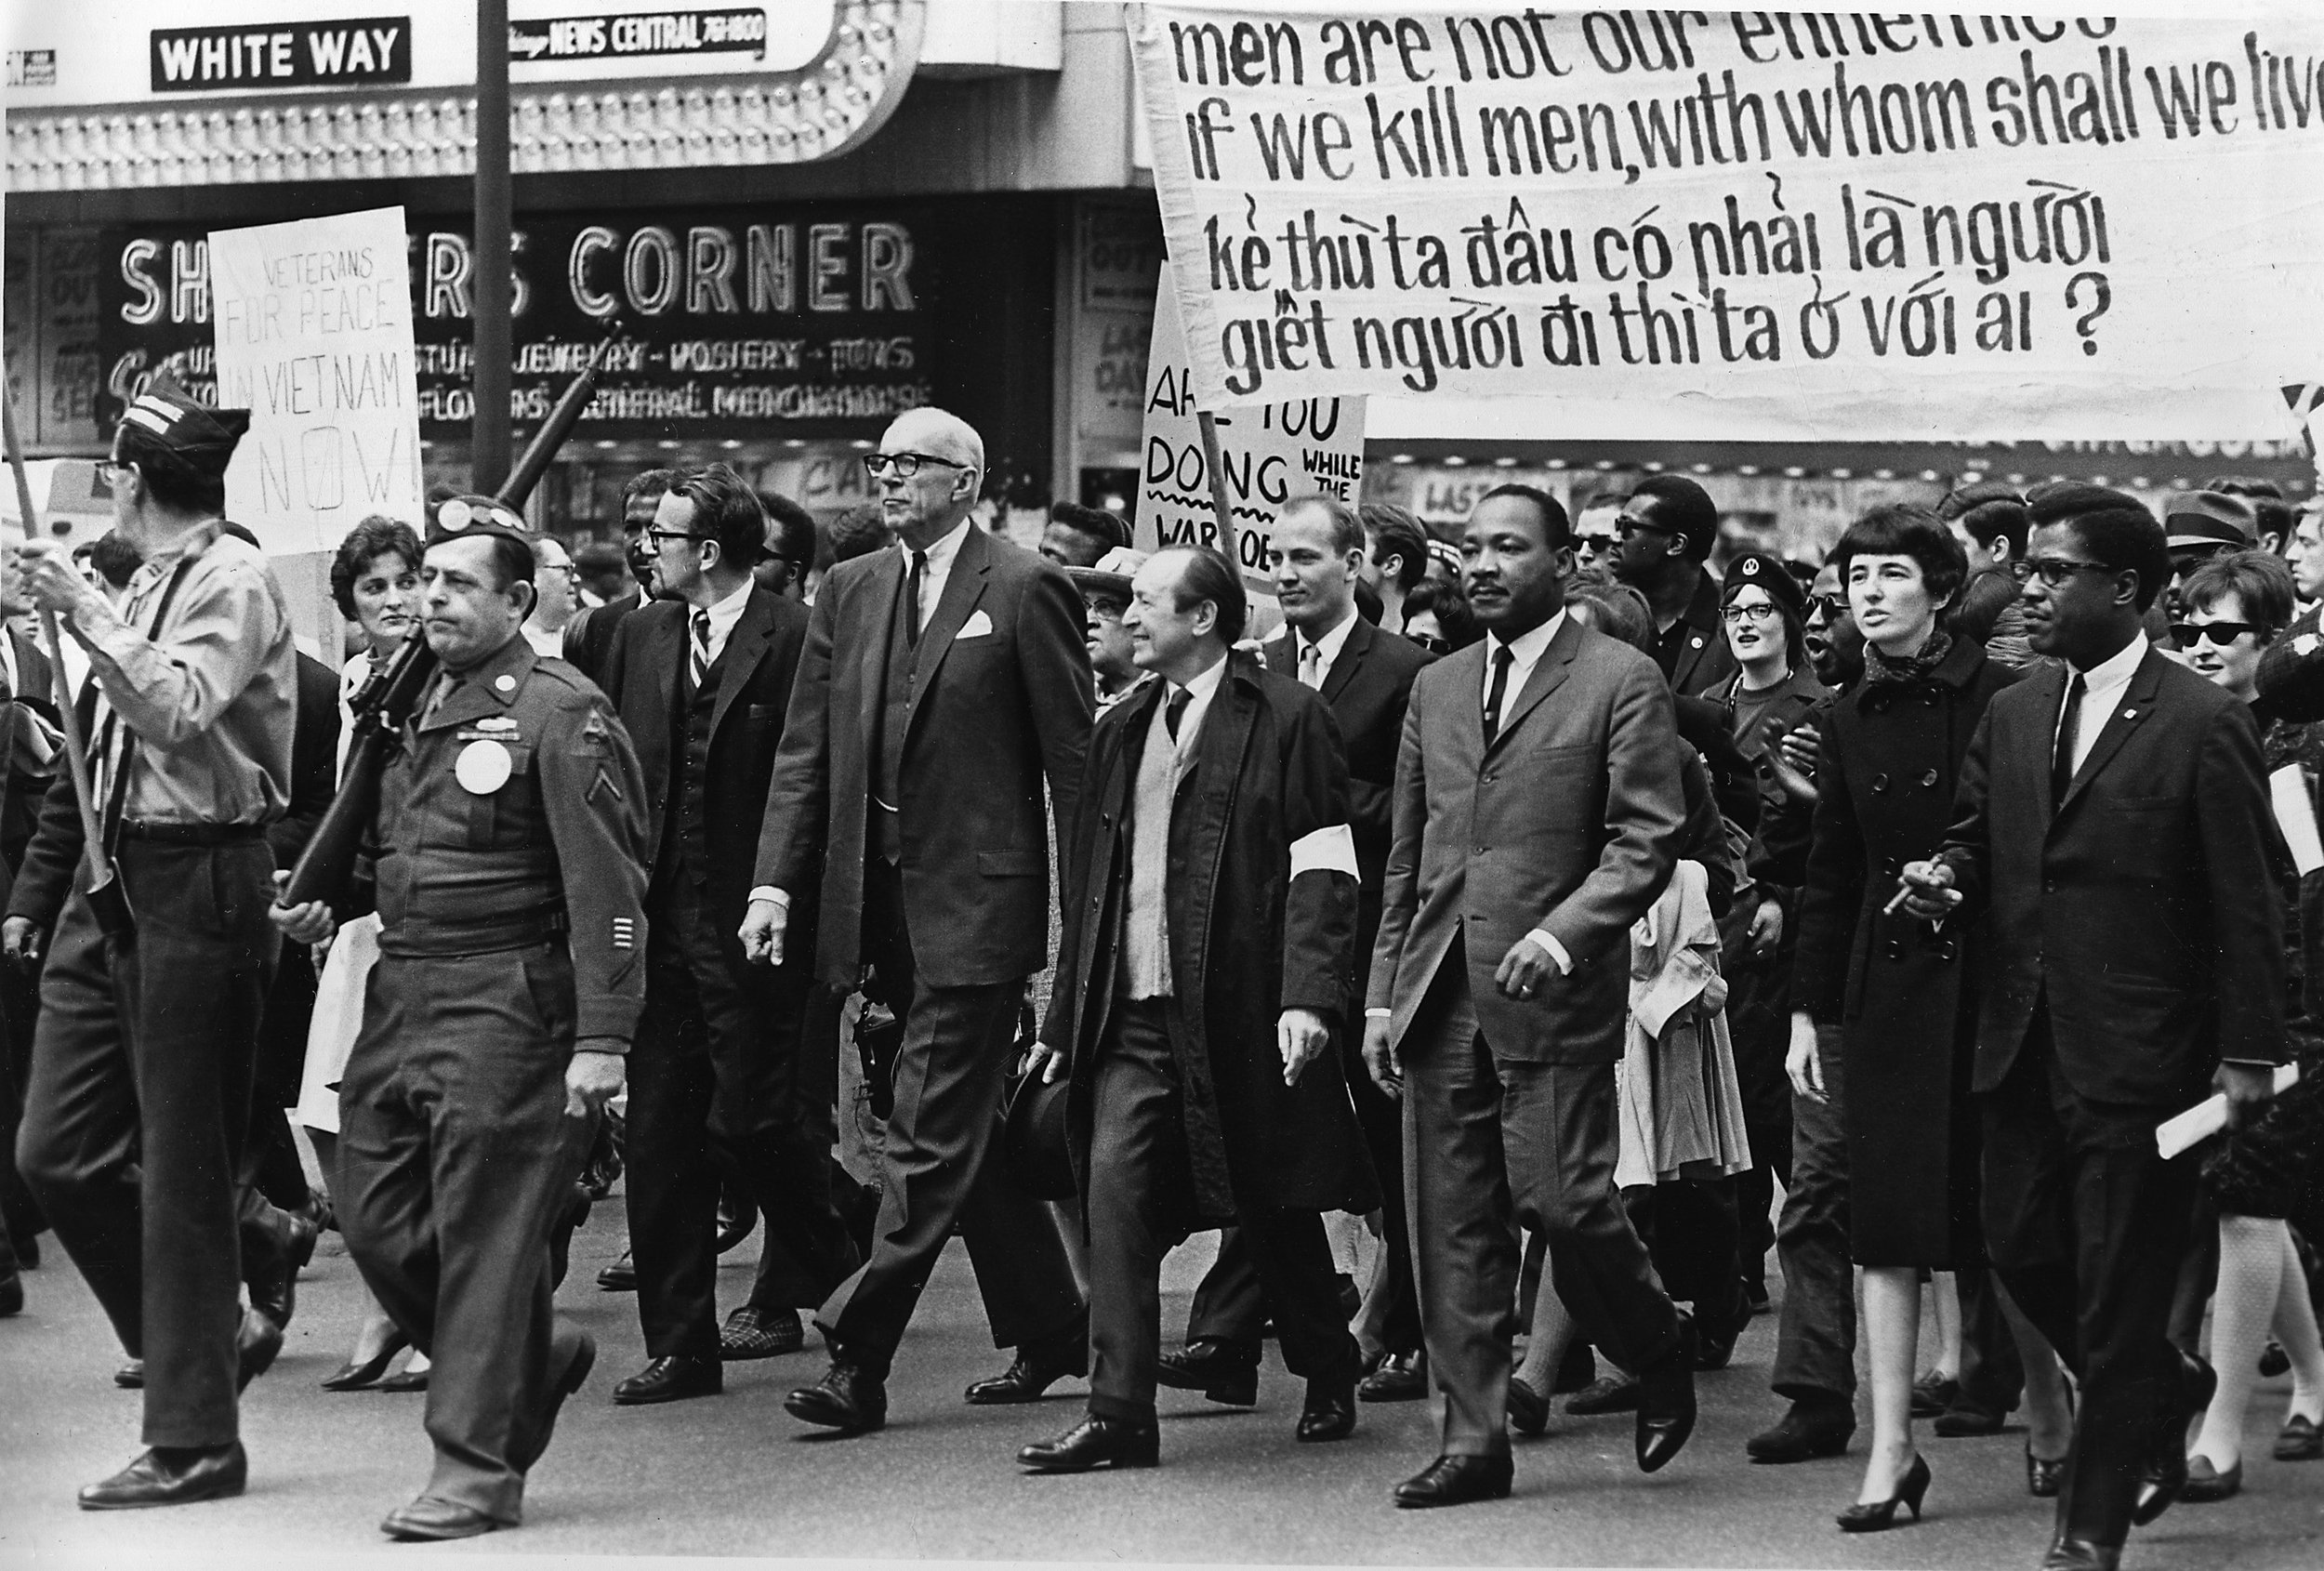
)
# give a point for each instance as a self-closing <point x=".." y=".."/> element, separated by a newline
<point x="358" y="51"/>
<point x="638" y="34"/>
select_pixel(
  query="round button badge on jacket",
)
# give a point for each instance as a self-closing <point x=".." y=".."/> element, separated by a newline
<point x="483" y="766"/>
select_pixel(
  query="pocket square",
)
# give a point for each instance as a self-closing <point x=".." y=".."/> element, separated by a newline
<point x="978" y="625"/>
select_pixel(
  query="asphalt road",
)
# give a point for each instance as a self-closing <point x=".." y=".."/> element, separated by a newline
<point x="734" y="1475"/>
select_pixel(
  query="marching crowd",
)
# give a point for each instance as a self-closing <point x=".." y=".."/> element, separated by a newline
<point x="1593" y="926"/>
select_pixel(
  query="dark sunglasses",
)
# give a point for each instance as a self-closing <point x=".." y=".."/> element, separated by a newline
<point x="2186" y="635"/>
<point x="1830" y="607"/>
<point x="1433" y="646"/>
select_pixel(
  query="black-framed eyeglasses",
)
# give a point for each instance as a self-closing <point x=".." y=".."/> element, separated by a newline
<point x="658" y="536"/>
<point x="1763" y="611"/>
<point x="1625" y="528"/>
<point x="2186" y="635"/>
<point x="2054" y="572"/>
<point x="905" y="465"/>
<point x="1596" y="542"/>
<point x="1433" y="646"/>
<point x="110" y="469"/>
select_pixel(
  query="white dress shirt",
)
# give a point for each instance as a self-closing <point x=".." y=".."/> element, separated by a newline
<point x="2104" y="685"/>
<point x="1327" y="649"/>
<point x="724" y="614"/>
<point x="1199" y="692"/>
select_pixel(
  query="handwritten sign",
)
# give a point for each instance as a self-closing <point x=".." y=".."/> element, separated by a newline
<point x="313" y="326"/>
<point x="1270" y="454"/>
<point x="1834" y="225"/>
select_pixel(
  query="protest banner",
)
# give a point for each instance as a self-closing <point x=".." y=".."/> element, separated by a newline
<point x="1823" y="225"/>
<point x="1268" y="454"/>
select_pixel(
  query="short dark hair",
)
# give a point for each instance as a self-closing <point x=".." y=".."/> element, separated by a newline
<point x="116" y="559"/>
<point x="1208" y="575"/>
<point x="2260" y="579"/>
<point x="1396" y="532"/>
<point x="1434" y="597"/>
<point x="2253" y="486"/>
<point x="1904" y="529"/>
<point x="794" y="529"/>
<point x="1689" y="507"/>
<point x="2003" y="517"/>
<point x="2113" y="527"/>
<point x="860" y="531"/>
<point x="1347" y="525"/>
<point x="377" y="536"/>
<point x="649" y="484"/>
<point x="726" y="509"/>
<point x="1557" y="530"/>
<point x="1618" y="612"/>
<point x="1960" y="501"/>
<point x="170" y="479"/>
<point x="1093" y="522"/>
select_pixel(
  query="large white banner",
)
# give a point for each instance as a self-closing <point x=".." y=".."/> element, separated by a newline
<point x="1268" y="454"/>
<point x="313" y="326"/>
<point x="1826" y="225"/>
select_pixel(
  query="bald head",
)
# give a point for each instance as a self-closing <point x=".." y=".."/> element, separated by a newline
<point x="947" y="460"/>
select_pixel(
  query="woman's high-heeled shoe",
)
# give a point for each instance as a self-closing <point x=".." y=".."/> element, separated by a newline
<point x="1878" y="1515"/>
<point x="2045" y="1476"/>
<point x="352" y="1376"/>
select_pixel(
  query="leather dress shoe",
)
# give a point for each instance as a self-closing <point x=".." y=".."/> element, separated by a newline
<point x="2207" y="1485"/>
<point x="1528" y="1409"/>
<point x="619" y="1277"/>
<point x="846" y="1399"/>
<point x="751" y="1332"/>
<point x="171" y="1478"/>
<point x="1454" y="1481"/>
<point x="1808" y="1430"/>
<point x="429" y="1519"/>
<point x="2045" y="1476"/>
<point x="579" y="1352"/>
<point x="1666" y="1401"/>
<point x="1612" y="1392"/>
<point x="131" y="1376"/>
<point x="2080" y="1554"/>
<point x="1225" y="1372"/>
<point x="352" y="1376"/>
<point x="1963" y="1419"/>
<point x="274" y="1285"/>
<point x="1329" y="1411"/>
<point x="255" y="1347"/>
<point x="1399" y="1377"/>
<point x="2301" y="1440"/>
<point x="671" y="1380"/>
<point x="1032" y="1372"/>
<point x="404" y="1380"/>
<point x="2166" y="1470"/>
<point x="1095" y="1442"/>
<point x="1933" y="1392"/>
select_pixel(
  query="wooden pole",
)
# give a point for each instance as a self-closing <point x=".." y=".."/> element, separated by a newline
<point x="495" y="343"/>
<point x="1230" y="541"/>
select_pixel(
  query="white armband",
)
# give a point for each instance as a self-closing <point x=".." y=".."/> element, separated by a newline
<point x="1327" y="851"/>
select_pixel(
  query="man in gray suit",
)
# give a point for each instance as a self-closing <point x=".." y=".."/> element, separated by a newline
<point x="1538" y="812"/>
<point x="942" y="685"/>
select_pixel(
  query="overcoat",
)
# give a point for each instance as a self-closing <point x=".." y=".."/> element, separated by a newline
<point x="1250" y="936"/>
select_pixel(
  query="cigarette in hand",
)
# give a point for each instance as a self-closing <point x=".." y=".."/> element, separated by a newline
<point x="1903" y="892"/>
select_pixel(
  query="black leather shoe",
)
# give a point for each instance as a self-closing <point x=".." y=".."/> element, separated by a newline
<point x="1032" y="1371"/>
<point x="2080" y="1554"/>
<point x="2166" y="1469"/>
<point x="619" y="1277"/>
<point x="1226" y="1372"/>
<point x="751" y="1332"/>
<point x="1611" y="1392"/>
<point x="1454" y="1481"/>
<point x="1666" y="1401"/>
<point x="578" y="1349"/>
<point x="1963" y="1419"/>
<point x="255" y="1347"/>
<point x="1528" y="1409"/>
<point x="846" y="1399"/>
<point x="1329" y="1412"/>
<point x="429" y="1519"/>
<point x="1095" y="1442"/>
<point x="1399" y="1377"/>
<point x="671" y="1380"/>
<point x="2045" y="1476"/>
<point x="2207" y="1485"/>
<point x="1809" y="1430"/>
<point x="171" y="1478"/>
<point x="131" y="1376"/>
<point x="352" y="1376"/>
<point x="1932" y="1393"/>
<point x="11" y="1292"/>
<point x="274" y="1285"/>
<point x="1879" y="1516"/>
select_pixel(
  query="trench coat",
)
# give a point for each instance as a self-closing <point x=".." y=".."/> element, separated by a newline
<point x="1248" y="939"/>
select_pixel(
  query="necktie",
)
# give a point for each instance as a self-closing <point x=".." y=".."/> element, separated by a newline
<point x="1502" y="661"/>
<point x="1175" y="711"/>
<point x="699" y="661"/>
<point x="443" y="690"/>
<point x="1311" y="665"/>
<point x="912" y="595"/>
<point x="2069" y="730"/>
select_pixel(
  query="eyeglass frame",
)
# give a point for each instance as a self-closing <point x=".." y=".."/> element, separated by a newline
<point x="658" y="536"/>
<point x="1833" y="607"/>
<point x="2186" y="635"/>
<point x="876" y="464"/>
<point x="1763" y="611"/>
<point x="1435" y="645"/>
<point x="2057" y="571"/>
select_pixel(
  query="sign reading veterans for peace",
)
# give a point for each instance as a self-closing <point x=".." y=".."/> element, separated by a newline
<point x="1828" y="225"/>
<point x="313" y="326"/>
<point x="361" y="50"/>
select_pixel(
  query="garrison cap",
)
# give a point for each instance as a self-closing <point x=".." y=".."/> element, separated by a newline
<point x="201" y="436"/>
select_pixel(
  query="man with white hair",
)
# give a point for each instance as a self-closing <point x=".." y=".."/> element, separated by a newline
<point x="944" y="684"/>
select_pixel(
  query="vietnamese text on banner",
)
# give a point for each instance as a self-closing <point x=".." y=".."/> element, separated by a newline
<point x="313" y="323"/>
<point x="1831" y="224"/>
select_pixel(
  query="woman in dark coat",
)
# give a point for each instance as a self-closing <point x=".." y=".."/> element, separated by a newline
<point x="1902" y="991"/>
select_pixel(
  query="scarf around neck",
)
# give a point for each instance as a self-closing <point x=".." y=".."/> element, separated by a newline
<point x="1879" y="670"/>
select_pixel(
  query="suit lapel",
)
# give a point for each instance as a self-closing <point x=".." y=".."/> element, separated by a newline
<point x="2136" y="703"/>
<point x="1547" y="675"/>
<point x="1281" y="655"/>
<point x="1352" y="651"/>
<point x="1464" y="668"/>
<point x="2049" y="679"/>
<point x="885" y="583"/>
<point x="740" y="658"/>
<point x="964" y="586"/>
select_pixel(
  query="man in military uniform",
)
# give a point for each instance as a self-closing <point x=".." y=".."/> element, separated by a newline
<point x="511" y="851"/>
<point x="139" y="1098"/>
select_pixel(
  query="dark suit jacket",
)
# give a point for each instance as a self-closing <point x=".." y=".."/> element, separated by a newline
<point x="1366" y="690"/>
<point x="643" y="674"/>
<point x="993" y="716"/>
<point x="314" y="761"/>
<point x="2144" y="909"/>
<point x="1703" y="659"/>
<point x="589" y="635"/>
<point x="1570" y="822"/>
<point x="19" y="808"/>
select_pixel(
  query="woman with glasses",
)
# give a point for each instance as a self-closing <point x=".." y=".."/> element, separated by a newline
<point x="2273" y="1169"/>
<point x="1902" y="992"/>
<point x="1436" y="616"/>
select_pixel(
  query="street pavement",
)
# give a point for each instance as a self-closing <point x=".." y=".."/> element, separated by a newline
<point x="734" y="1475"/>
